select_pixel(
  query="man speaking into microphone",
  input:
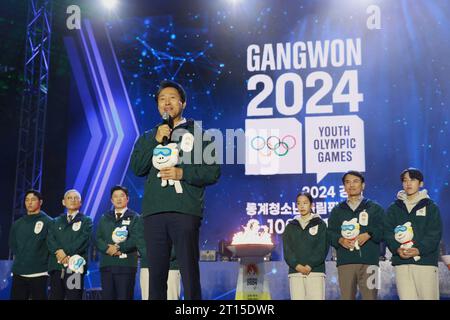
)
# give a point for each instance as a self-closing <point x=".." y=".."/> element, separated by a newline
<point x="172" y="204"/>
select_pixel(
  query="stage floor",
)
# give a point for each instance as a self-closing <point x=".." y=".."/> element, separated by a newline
<point x="219" y="280"/>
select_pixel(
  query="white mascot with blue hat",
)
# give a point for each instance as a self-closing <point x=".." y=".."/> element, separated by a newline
<point x="119" y="235"/>
<point x="350" y="230"/>
<point x="76" y="263"/>
<point x="167" y="157"/>
<point x="404" y="234"/>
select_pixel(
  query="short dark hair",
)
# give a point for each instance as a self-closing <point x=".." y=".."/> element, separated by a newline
<point x="171" y="84"/>
<point x="34" y="192"/>
<point x="119" y="187"/>
<point x="414" y="173"/>
<point x="306" y="194"/>
<point x="353" y="173"/>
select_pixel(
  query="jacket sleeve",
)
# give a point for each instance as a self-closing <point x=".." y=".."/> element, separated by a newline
<point x="334" y="229"/>
<point x="204" y="174"/>
<point x="82" y="242"/>
<point x="141" y="157"/>
<point x="288" y="252"/>
<point x="389" y="226"/>
<point x="376" y="225"/>
<point x="322" y="248"/>
<point x="47" y="227"/>
<point x="201" y="175"/>
<point x="12" y="239"/>
<point x="52" y="242"/>
<point x="433" y="232"/>
<point x="100" y="238"/>
<point x="140" y="241"/>
<point x="129" y="245"/>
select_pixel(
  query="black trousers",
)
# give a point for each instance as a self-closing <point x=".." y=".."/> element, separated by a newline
<point x="66" y="286"/>
<point x="25" y="288"/>
<point x="117" y="285"/>
<point x="182" y="231"/>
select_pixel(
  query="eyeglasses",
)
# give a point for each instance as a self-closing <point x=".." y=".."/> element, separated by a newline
<point x="121" y="233"/>
<point x="164" y="151"/>
<point x="400" y="229"/>
<point x="348" y="227"/>
<point x="78" y="263"/>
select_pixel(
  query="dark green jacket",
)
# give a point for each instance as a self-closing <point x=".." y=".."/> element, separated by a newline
<point x="142" y="248"/>
<point x="195" y="176"/>
<point x="427" y="231"/>
<point x="302" y="247"/>
<point x="67" y="236"/>
<point x="103" y="237"/>
<point x="28" y="242"/>
<point x="370" y="252"/>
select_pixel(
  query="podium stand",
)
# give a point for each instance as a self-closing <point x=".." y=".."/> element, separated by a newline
<point x="252" y="283"/>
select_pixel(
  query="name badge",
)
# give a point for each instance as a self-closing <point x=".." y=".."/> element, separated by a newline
<point x="363" y="218"/>
<point x="126" y="222"/>
<point x="421" y="212"/>
<point x="187" y="142"/>
<point x="313" y="230"/>
<point x="76" y="226"/>
<point x="38" y="227"/>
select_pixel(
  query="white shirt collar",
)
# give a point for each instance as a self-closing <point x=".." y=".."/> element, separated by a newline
<point x="122" y="211"/>
<point x="355" y="204"/>
<point x="73" y="214"/>
<point x="182" y="121"/>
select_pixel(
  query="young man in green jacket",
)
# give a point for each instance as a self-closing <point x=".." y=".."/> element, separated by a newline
<point x="413" y="230"/>
<point x="28" y="243"/>
<point x="173" y="213"/>
<point x="68" y="236"/>
<point x="358" y="255"/>
<point x="116" y="240"/>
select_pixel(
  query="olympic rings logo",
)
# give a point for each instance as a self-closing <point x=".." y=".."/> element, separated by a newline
<point x="273" y="144"/>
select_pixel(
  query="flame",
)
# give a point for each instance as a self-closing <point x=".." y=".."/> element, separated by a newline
<point x="253" y="234"/>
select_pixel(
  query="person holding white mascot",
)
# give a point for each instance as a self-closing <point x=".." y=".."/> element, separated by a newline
<point x="413" y="231"/>
<point x="116" y="241"/>
<point x="173" y="201"/>
<point x="355" y="229"/>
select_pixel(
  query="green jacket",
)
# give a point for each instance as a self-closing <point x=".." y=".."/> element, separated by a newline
<point x="73" y="238"/>
<point x="28" y="242"/>
<point x="427" y="226"/>
<point x="142" y="248"/>
<point x="307" y="246"/>
<point x="103" y="237"/>
<point x="369" y="253"/>
<point x="195" y="176"/>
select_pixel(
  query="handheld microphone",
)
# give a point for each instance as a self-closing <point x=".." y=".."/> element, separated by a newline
<point x="167" y="119"/>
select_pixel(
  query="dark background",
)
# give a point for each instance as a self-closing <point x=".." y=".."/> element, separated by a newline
<point x="404" y="77"/>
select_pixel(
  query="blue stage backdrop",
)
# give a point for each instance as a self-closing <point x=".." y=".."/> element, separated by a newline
<point x="318" y="87"/>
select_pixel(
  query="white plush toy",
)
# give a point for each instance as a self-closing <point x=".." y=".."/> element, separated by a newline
<point x="119" y="235"/>
<point x="76" y="263"/>
<point x="350" y="230"/>
<point x="404" y="234"/>
<point x="166" y="157"/>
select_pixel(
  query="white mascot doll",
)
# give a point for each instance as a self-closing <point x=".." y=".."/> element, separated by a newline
<point x="350" y="230"/>
<point x="166" y="157"/>
<point x="404" y="234"/>
<point x="76" y="263"/>
<point x="119" y="235"/>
